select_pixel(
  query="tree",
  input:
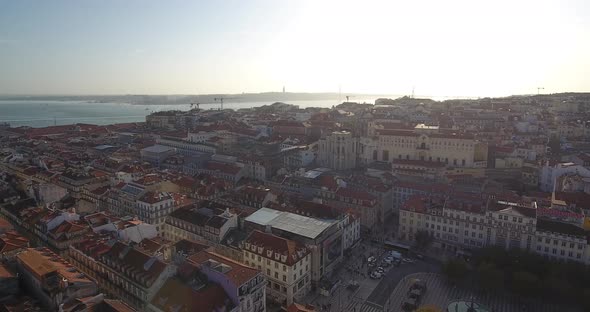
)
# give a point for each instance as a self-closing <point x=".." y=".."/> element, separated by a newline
<point x="489" y="277"/>
<point x="455" y="270"/>
<point x="423" y="239"/>
<point x="525" y="283"/>
<point x="428" y="308"/>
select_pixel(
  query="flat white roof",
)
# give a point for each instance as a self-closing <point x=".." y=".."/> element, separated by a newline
<point x="290" y="222"/>
<point x="157" y="148"/>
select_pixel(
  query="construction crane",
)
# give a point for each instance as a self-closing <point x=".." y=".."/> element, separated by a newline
<point x="539" y="90"/>
<point x="221" y="99"/>
<point x="349" y="96"/>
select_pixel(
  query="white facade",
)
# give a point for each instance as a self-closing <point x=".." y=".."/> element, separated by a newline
<point x="286" y="283"/>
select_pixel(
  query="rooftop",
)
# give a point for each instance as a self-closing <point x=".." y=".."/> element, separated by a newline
<point x="290" y="222"/>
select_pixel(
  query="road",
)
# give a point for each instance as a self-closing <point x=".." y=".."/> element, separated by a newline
<point x="381" y="293"/>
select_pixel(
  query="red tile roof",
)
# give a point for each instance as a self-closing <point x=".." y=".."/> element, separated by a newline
<point x="239" y="273"/>
<point x="265" y="242"/>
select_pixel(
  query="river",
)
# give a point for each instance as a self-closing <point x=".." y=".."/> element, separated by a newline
<point x="49" y="113"/>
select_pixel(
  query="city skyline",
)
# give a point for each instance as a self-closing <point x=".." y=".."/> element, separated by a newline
<point x="453" y="49"/>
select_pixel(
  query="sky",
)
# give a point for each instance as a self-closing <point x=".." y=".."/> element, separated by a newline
<point x="436" y="48"/>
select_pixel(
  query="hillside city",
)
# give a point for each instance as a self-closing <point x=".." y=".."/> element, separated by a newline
<point x="404" y="204"/>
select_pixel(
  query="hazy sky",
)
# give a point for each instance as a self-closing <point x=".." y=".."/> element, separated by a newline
<point x="475" y="48"/>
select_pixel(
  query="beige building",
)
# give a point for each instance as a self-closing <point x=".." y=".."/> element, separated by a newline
<point x="429" y="143"/>
<point x="285" y="263"/>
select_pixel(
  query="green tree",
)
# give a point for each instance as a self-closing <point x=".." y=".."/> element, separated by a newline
<point x="489" y="277"/>
<point x="423" y="239"/>
<point x="455" y="270"/>
<point x="525" y="283"/>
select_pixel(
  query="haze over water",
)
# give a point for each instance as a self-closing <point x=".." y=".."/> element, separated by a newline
<point x="49" y="113"/>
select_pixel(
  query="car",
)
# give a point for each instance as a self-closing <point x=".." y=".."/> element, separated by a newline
<point x="371" y="259"/>
<point x="380" y="270"/>
<point x="376" y="275"/>
<point x="372" y="264"/>
<point x="407" y="260"/>
<point x="419" y="256"/>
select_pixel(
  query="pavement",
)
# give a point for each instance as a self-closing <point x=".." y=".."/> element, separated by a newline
<point x="382" y="292"/>
<point x="440" y="294"/>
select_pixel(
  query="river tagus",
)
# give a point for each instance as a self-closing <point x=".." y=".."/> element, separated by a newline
<point x="49" y="113"/>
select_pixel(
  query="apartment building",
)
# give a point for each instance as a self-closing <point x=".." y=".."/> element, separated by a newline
<point x="461" y="223"/>
<point x="322" y="237"/>
<point x="244" y="284"/>
<point x="52" y="280"/>
<point x="285" y="263"/>
<point x="199" y="224"/>
<point x="121" y="269"/>
<point x="153" y="207"/>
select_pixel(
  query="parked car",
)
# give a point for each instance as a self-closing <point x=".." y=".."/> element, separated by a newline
<point x="371" y="259"/>
<point x="376" y="275"/>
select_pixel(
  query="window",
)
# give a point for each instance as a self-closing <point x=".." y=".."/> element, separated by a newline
<point x="267" y="262"/>
<point x="284" y="268"/>
<point x="276" y="275"/>
<point x="276" y="265"/>
<point x="563" y="244"/>
<point x="554" y="251"/>
<point x="268" y="272"/>
<point x="284" y="278"/>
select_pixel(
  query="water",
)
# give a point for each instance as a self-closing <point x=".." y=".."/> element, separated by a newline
<point x="49" y="113"/>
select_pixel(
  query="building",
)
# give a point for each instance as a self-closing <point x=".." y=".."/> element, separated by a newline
<point x="199" y="224"/>
<point x="322" y="237"/>
<point x="157" y="154"/>
<point x="472" y="221"/>
<point x="338" y="150"/>
<point x="12" y="243"/>
<point x="431" y="143"/>
<point x="51" y="279"/>
<point x="244" y="285"/>
<point x="551" y="172"/>
<point x="122" y="270"/>
<point x="285" y="263"/>
<point x="153" y="207"/>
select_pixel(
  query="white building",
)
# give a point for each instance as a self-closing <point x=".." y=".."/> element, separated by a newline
<point x="285" y="263"/>
<point x="153" y="207"/>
